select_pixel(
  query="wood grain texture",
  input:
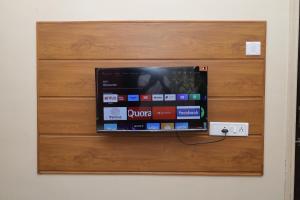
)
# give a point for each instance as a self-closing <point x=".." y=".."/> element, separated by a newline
<point x="151" y="154"/>
<point x="68" y="52"/>
<point x="238" y="110"/>
<point x="67" y="116"/>
<point x="225" y="77"/>
<point x="148" y="40"/>
<point x="168" y="173"/>
<point x="78" y="116"/>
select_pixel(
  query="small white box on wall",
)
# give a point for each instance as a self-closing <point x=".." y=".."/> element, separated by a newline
<point x="253" y="48"/>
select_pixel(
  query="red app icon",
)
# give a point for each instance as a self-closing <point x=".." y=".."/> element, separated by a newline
<point x="122" y="97"/>
<point x="139" y="113"/>
<point x="146" y="97"/>
<point x="164" y="112"/>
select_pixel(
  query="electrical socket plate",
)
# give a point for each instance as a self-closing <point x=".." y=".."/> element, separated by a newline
<point x="234" y="128"/>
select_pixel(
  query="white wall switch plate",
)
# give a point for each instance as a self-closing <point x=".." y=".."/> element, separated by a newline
<point x="233" y="128"/>
<point x="253" y="48"/>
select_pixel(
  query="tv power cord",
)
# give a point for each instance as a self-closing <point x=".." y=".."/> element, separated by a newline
<point x="224" y="130"/>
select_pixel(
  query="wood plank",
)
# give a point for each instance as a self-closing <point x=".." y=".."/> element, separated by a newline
<point x="67" y="115"/>
<point x="149" y="154"/>
<point x="156" y="173"/>
<point x="225" y="77"/>
<point x="148" y="40"/>
<point x="238" y="110"/>
<point x="77" y="115"/>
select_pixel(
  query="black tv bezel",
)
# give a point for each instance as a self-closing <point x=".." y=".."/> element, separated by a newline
<point x="102" y="131"/>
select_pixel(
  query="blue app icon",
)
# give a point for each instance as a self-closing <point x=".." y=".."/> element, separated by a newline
<point x="110" y="126"/>
<point x="188" y="112"/>
<point x="133" y="97"/>
<point x="153" y="126"/>
<point x="182" y="97"/>
<point x="181" y="125"/>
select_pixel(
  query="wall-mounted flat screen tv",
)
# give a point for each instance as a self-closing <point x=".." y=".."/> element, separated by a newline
<point x="149" y="99"/>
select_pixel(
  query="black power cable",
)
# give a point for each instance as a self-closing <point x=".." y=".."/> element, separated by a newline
<point x="224" y="130"/>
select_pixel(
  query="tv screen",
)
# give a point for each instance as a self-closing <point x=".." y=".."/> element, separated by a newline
<point x="151" y="99"/>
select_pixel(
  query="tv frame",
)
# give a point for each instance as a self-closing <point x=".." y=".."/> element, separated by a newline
<point x="192" y="130"/>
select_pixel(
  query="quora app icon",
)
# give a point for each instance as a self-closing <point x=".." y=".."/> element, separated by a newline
<point x="139" y="113"/>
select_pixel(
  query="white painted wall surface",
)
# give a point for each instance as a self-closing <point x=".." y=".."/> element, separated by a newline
<point x="18" y="151"/>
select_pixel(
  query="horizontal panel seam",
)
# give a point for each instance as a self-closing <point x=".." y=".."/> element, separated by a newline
<point x="260" y="60"/>
<point x="242" y="98"/>
<point x="102" y="136"/>
<point x="133" y="59"/>
<point x="154" y="21"/>
<point x="107" y="135"/>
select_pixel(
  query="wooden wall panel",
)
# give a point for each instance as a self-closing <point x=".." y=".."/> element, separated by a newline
<point x="149" y="154"/>
<point x="78" y="116"/>
<point x="68" y="52"/>
<point x="225" y="77"/>
<point x="152" y="40"/>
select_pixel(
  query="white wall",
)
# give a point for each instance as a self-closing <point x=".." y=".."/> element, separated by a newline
<point x="18" y="176"/>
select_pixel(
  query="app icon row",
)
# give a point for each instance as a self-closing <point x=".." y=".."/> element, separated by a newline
<point x="155" y="113"/>
<point x="147" y="126"/>
<point x="114" y="98"/>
